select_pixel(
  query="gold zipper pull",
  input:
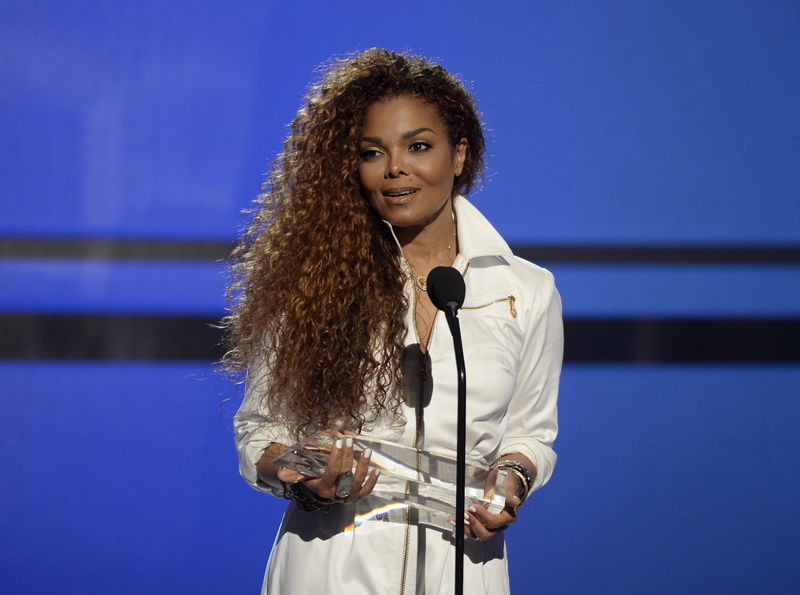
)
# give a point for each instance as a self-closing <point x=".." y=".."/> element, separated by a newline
<point x="512" y="308"/>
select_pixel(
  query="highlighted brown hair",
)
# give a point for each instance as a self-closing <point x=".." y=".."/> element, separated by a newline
<point x="317" y="288"/>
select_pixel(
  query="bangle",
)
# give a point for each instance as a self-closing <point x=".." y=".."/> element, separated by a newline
<point x="522" y="474"/>
<point x="522" y="485"/>
<point x="307" y="500"/>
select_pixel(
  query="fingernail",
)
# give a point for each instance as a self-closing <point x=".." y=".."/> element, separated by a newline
<point x="466" y="518"/>
<point x="377" y="472"/>
<point x="338" y="443"/>
<point x="472" y="509"/>
<point x="349" y="443"/>
<point x="451" y="523"/>
<point x="367" y="453"/>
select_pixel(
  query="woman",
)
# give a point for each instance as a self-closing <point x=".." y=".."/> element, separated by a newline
<point x="333" y="323"/>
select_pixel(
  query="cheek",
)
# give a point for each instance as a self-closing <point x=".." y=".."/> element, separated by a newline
<point x="367" y="177"/>
<point x="369" y="185"/>
<point x="438" y="172"/>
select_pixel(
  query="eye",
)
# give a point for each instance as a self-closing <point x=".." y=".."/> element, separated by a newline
<point x="369" y="154"/>
<point x="419" y="146"/>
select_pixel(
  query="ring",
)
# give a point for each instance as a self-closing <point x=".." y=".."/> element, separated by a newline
<point x="344" y="483"/>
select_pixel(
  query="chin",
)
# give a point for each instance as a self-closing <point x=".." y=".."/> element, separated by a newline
<point x="398" y="220"/>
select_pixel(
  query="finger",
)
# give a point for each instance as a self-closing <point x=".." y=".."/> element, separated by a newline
<point x="334" y="463"/>
<point x="512" y="505"/>
<point x="346" y="463"/>
<point x="477" y="527"/>
<point x="484" y="516"/>
<point x="360" y="474"/>
<point x="369" y="485"/>
<point x="287" y="475"/>
<point x="488" y="491"/>
<point x="452" y="519"/>
<point x="363" y="466"/>
<point x="467" y="527"/>
<point x="365" y="488"/>
<point x="514" y="500"/>
<point x="491" y="522"/>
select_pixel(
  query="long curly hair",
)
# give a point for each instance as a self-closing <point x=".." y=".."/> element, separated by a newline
<point x="316" y="293"/>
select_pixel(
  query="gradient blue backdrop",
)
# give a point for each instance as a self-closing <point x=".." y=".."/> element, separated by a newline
<point x="641" y="123"/>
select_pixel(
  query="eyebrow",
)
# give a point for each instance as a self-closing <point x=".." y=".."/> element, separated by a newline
<point x="377" y="141"/>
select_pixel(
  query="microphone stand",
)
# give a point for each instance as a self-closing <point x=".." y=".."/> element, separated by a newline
<point x="451" y="314"/>
<point x="447" y="291"/>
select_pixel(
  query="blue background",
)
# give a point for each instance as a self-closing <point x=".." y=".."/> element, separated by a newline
<point x="633" y="123"/>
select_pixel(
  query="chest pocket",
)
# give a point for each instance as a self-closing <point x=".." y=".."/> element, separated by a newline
<point x="493" y="340"/>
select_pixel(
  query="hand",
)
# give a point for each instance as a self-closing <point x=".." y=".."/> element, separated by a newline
<point x="482" y="524"/>
<point x="340" y="461"/>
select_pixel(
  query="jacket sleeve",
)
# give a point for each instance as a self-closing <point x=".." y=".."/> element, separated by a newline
<point x="532" y="412"/>
<point x="254" y="431"/>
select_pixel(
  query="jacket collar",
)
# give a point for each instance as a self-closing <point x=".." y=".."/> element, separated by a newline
<point x="476" y="236"/>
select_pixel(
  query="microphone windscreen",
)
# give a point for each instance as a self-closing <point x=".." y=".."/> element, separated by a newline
<point x="446" y="288"/>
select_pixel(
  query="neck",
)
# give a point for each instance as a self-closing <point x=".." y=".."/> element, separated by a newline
<point x="429" y="243"/>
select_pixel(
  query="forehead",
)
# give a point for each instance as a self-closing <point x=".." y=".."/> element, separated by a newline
<point x="401" y="114"/>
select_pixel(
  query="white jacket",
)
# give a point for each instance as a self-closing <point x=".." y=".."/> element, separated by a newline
<point x="513" y="343"/>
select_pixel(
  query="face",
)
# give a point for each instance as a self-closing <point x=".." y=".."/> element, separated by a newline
<point x="407" y="162"/>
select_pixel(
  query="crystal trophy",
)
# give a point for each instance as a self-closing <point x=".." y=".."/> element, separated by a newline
<point x="423" y="480"/>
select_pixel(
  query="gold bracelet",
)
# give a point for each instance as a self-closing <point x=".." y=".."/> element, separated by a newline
<point x="520" y="472"/>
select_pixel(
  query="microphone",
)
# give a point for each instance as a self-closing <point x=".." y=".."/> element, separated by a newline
<point x="446" y="289"/>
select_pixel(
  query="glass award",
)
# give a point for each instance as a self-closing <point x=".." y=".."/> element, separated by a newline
<point x="423" y="480"/>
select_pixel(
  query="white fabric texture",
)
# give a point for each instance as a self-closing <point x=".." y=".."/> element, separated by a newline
<point x="513" y="364"/>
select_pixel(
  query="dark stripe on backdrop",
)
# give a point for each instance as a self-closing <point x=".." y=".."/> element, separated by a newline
<point x="102" y="337"/>
<point x="111" y="249"/>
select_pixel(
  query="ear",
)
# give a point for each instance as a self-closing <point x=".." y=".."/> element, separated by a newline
<point x="460" y="156"/>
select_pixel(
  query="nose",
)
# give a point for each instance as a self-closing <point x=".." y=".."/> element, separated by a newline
<point x="396" y="167"/>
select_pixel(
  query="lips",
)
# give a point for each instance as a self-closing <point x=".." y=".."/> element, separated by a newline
<point x="399" y="191"/>
<point x="400" y="194"/>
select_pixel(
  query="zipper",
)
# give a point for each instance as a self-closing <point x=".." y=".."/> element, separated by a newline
<point x="512" y="307"/>
<point x="407" y="533"/>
